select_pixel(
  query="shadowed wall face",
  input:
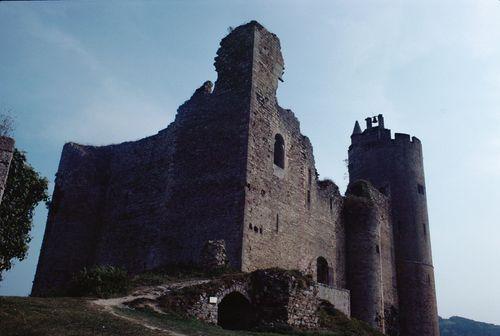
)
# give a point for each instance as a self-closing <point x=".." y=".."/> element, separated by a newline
<point x="6" y="150"/>
<point x="210" y="175"/>
<point x="371" y="275"/>
<point x="395" y="167"/>
<point x="156" y="201"/>
<point x="234" y="167"/>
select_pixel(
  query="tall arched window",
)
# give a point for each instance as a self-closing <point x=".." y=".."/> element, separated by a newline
<point x="279" y="151"/>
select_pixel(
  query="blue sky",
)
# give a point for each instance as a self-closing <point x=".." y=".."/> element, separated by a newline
<point x="100" y="73"/>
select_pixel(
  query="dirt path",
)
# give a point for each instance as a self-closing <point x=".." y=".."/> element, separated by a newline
<point x="152" y="294"/>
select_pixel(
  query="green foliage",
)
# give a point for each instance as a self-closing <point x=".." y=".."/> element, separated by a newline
<point x="24" y="189"/>
<point x="100" y="281"/>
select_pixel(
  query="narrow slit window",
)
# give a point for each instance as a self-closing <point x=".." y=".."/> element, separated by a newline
<point x="279" y="151"/>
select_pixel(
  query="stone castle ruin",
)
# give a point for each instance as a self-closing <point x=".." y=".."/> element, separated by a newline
<point x="234" y="167"/>
<point x="6" y="152"/>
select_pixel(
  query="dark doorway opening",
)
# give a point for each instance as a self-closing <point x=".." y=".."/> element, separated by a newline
<point x="279" y="151"/>
<point x="235" y="312"/>
<point x="322" y="271"/>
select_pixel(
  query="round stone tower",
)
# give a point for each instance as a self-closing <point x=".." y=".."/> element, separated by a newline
<point x="362" y="217"/>
<point x="395" y="167"/>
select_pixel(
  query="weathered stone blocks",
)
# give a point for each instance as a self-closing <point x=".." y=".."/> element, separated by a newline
<point x="278" y="298"/>
<point x="213" y="256"/>
<point x="6" y="151"/>
<point x="235" y="167"/>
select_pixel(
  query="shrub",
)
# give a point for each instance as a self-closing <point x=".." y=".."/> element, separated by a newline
<point x="100" y="281"/>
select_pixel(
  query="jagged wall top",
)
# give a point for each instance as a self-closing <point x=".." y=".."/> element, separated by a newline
<point x="241" y="53"/>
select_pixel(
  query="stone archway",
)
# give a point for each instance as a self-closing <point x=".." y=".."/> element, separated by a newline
<point x="235" y="312"/>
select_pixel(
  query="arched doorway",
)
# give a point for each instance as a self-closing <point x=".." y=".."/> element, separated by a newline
<point x="235" y="312"/>
<point x="322" y="271"/>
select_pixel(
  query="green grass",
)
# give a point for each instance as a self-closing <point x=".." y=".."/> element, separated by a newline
<point x="77" y="316"/>
<point x="192" y="327"/>
<point x="62" y="317"/>
<point x="177" y="272"/>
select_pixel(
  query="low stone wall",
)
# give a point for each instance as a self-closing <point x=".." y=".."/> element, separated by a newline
<point x="278" y="298"/>
<point x="6" y="150"/>
<point x="339" y="298"/>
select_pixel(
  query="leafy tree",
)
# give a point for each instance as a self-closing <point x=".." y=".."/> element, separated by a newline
<point x="24" y="189"/>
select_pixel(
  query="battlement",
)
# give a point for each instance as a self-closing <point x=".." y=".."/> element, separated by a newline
<point x="379" y="135"/>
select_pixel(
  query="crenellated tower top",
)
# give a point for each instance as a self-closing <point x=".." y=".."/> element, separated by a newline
<point x="376" y="133"/>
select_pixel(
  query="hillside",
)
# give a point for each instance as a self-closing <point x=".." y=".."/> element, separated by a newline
<point x="459" y="326"/>
<point x="82" y="317"/>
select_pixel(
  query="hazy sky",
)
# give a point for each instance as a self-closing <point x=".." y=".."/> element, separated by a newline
<point x="99" y="73"/>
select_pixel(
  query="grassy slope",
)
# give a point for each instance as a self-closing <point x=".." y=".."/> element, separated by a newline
<point x="71" y="316"/>
<point x="61" y="317"/>
<point x="459" y="326"/>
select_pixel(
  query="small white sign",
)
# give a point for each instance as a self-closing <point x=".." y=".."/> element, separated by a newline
<point x="212" y="299"/>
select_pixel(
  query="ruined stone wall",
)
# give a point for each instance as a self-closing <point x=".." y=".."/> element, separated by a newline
<point x="133" y="215"/>
<point x="6" y="150"/>
<point x="395" y="167"/>
<point x="291" y="218"/>
<point x="73" y="220"/>
<point x="156" y="201"/>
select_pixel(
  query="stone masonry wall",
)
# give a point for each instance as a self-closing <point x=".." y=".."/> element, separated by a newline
<point x="340" y="298"/>
<point x="395" y="166"/>
<point x="208" y="176"/>
<point x="74" y="220"/>
<point x="156" y="201"/>
<point x="6" y="150"/>
<point x="291" y="218"/>
<point x="365" y="212"/>
<point x="278" y="298"/>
